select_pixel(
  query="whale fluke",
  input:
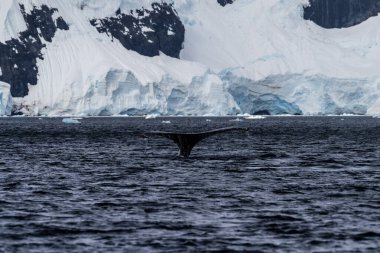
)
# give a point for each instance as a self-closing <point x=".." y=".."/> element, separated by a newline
<point x="186" y="141"/>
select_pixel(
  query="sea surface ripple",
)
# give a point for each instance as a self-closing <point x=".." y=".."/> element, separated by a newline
<point x="289" y="184"/>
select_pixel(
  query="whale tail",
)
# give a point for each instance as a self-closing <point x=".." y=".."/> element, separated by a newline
<point x="187" y="141"/>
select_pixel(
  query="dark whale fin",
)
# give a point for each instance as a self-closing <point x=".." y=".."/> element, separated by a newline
<point x="186" y="141"/>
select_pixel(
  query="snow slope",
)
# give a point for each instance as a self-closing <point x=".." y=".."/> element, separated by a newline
<point x="11" y="22"/>
<point x="252" y="56"/>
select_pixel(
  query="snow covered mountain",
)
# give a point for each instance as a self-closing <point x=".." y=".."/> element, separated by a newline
<point x="189" y="57"/>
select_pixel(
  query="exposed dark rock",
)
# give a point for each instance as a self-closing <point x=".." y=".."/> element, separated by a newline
<point x="341" y="13"/>
<point x="146" y="31"/>
<point x="61" y="24"/>
<point x="18" y="57"/>
<point x="225" y="2"/>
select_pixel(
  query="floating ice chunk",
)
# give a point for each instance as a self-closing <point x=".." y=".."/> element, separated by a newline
<point x="348" y="115"/>
<point x="208" y="120"/>
<point x="254" y="117"/>
<point x="250" y="116"/>
<point x="166" y="122"/>
<point x="71" y="120"/>
<point x="152" y="116"/>
<point x="244" y="115"/>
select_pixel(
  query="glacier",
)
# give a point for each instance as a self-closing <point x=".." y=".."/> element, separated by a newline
<point x="71" y="121"/>
<point x="6" y="101"/>
<point x="250" y="56"/>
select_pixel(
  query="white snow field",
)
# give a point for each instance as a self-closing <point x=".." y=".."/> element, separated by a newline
<point x="247" y="57"/>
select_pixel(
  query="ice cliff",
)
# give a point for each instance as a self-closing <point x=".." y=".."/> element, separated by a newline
<point x="189" y="57"/>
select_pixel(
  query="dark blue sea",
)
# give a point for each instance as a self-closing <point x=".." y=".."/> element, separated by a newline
<point x="289" y="184"/>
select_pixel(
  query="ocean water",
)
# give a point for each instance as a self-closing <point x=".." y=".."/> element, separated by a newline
<point x="289" y="184"/>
